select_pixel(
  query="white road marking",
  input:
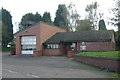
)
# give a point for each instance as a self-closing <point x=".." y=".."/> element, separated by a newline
<point x="34" y="76"/>
<point x="11" y="71"/>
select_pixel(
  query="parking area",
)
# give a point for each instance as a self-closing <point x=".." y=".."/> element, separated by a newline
<point x="27" y="66"/>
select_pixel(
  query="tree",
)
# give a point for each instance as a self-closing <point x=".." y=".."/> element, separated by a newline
<point x="91" y="9"/>
<point x="0" y="33"/>
<point x="102" y="25"/>
<point x="84" y="25"/>
<point x="117" y="36"/>
<point x="0" y="28"/>
<point x="5" y="35"/>
<point x="61" y="17"/>
<point x="73" y="17"/>
<point x="46" y="17"/>
<point x="37" y="17"/>
<point x="29" y="19"/>
<point x="116" y="21"/>
<point x="7" y="27"/>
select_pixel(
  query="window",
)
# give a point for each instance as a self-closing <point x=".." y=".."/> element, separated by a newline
<point x="52" y="46"/>
<point x="57" y="46"/>
<point x="73" y="46"/>
<point x="48" y="46"/>
<point x="28" y="47"/>
<point x="28" y="40"/>
<point x="82" y="48"/>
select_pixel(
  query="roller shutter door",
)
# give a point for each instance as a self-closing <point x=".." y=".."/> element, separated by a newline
<point x="28" y="44"/>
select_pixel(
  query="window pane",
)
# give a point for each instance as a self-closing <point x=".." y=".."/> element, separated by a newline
<point x="73" y="45"/>
<point x="48" y="46"/>
<point x="54" y="46"/>
<point x="57" y="46"/>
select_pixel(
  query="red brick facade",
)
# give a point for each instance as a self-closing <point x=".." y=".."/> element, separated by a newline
<point x="49" y="52"/>
<point x="30" y="31"/>
<point x="41" y="30"/>
<point x="60" y="51"/>
<point x="98" y="46"/>
<point x="90" y="46"/>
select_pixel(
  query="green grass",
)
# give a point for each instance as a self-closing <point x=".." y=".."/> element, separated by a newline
<point x="111" y="54"/>
<point x="116" y="75"/>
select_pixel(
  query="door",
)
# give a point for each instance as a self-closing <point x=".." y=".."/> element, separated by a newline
<point x="28" y="44"/>
<point x="83" y="46"/>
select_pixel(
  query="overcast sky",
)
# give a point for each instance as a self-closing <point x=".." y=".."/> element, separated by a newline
<point x="18" y="8"/>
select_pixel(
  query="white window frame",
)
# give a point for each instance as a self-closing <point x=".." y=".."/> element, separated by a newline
<point x="52" y="46"/>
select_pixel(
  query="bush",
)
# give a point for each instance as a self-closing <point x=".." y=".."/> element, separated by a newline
<point x="11" y="48"/>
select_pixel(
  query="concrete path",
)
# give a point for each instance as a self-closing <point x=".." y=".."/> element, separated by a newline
<point x="47" y="67"/>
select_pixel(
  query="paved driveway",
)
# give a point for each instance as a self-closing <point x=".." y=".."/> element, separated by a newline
<point x="47" y="67"/>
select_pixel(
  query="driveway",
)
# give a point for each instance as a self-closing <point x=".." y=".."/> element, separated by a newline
<point x="47" y="67"/>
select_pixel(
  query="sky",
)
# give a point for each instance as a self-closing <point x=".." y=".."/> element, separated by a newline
<point x="18" y="8"/>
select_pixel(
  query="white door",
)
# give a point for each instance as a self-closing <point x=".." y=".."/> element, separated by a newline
<point x="28" y="44"/>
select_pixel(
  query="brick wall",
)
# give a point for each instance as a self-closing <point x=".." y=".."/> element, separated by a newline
<point x="41" y="30"/>
<point x="46" y="31"/>
<point x="99" y="46"/>
<point x="60" y="51"/>
<point x="109" y="64"/>
<point x="29" y="31"/>
<point x="63" y="49"/>
<point x="49" y="52"/>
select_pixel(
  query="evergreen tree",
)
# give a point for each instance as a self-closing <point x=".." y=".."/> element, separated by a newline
<point x="7" y="27"/>
<point x="29" y="19"/>
<point x="46" y="17"/>
<point x="102" y="25"/>
<point x="61" y="17"/>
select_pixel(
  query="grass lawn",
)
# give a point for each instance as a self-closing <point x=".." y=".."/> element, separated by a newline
<point x="111" y="54"/>
<point x="116" y="75"/>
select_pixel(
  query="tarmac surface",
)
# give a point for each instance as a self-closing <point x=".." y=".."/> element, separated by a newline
<point x="27" y="66"/>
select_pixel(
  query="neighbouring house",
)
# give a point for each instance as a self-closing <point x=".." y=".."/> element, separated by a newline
<point x="45" y="39"/>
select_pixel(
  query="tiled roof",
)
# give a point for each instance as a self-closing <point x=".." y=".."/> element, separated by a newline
<point x="36" y="24"/>
<point x="83" y="36"/>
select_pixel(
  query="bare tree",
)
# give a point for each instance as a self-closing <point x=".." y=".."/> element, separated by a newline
<point x="73" y="17"/>
<point x="92" y="14"/>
